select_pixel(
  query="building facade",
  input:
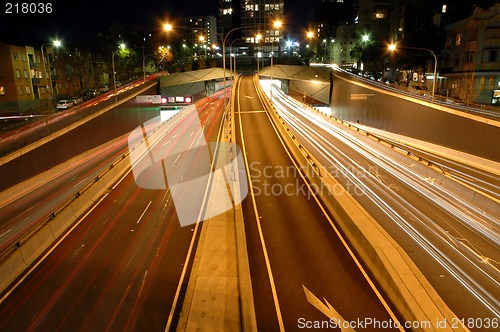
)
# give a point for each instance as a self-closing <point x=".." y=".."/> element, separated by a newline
<point x="472" y="57"/>
<point x="200" y="31"/>
<point x="29" y="79"/>
<point x="257" y="20"/>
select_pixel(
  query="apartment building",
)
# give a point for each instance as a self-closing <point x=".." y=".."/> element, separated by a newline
<point x="27" y="82"/>
<point x="472" y="57"/>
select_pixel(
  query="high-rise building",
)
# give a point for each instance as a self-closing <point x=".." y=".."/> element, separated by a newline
<point x="199" y="30"/>
<point x="229" y="16"/>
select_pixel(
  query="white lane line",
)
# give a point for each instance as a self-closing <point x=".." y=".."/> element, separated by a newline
<point x="76" y="185"/>
<point x="6" y="232"/>
<point x="144" y="212"/>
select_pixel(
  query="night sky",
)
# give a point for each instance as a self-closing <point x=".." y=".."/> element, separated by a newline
<point x="75" y="21"/>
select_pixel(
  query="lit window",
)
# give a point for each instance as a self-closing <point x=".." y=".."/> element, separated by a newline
<point x="18" y="73"/>
<point x="458" y="39"/>
<point x="21" y="90"/>
<point x="15" y="55"/>
<point x="2" y="90"/>
<point x="28" y="90"/>
<point x="443" y="9"/>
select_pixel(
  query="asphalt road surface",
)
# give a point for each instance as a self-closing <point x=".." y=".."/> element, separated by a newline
<point x="291" y="243"/>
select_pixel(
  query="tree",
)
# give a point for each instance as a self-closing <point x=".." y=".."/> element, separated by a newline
<point x="467" y="91"/>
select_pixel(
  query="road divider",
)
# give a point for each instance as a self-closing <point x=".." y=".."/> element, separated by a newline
<point x="398" y="278"/>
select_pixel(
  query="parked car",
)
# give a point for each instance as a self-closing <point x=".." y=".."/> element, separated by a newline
<point x="75" y="101"/>
<point x="89" y="94"/>
<point x="64" y="104"/>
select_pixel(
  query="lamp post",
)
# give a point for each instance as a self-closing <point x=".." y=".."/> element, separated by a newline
<point x="257" y="39"/>
<point x="392" y="47"/>
<point x="48" y="77"/>
<point x="202" y="40"/>
<point x="122" y="46"/>
<point x="277" y="25"/>
<point x="144" y="66"/>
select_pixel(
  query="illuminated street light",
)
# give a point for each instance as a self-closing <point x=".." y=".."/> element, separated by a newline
<point x="122" y="46"/>
<point x="393" y="47"/>
<point x="257" y="39"/>
<point x="167" y="27"/>
<point x="277" y="24"/>
<point x="365" y="38"/>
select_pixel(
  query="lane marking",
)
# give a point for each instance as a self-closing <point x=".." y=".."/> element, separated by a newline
<point x="144" y="212"/>
<point x="9" y="230"/>
<point x="327" y="309"/>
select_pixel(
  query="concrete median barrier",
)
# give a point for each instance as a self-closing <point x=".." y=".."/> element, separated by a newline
<point x="12" y="264"/>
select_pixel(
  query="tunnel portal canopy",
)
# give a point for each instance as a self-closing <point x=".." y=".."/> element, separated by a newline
<point x="303" y="82"/>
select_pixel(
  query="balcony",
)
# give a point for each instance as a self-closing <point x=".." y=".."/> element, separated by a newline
<point x="33" y="64"/>
<point x="35" y="81"/>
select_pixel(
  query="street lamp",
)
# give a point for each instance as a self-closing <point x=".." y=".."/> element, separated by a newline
<point x="202" y="40"/>
<point x="277" y="25"/>
<point x="144" y="66"/>
<point x="122" y="46"/>
<point x="392" y="47"/>
<point x="167" y="27"/>
<point x="55" y="43"/>
<point x="257" y="39"/>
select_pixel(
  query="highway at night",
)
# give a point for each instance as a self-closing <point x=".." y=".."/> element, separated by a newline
<point x="453" y="242"/>
<point x="121" y="265"/>
<point x="291" y="242"/>
<point x="126" y="262"/>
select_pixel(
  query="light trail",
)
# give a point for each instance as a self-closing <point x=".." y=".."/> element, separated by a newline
<point x="487" y="227"/>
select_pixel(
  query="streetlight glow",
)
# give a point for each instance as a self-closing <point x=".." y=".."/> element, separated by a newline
<point x="167" y="27"/>
<point x="310" y="34"/>
<point x="392" y="47"/>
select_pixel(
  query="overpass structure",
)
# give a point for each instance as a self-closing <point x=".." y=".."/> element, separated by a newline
<point x="306" y="83"/>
